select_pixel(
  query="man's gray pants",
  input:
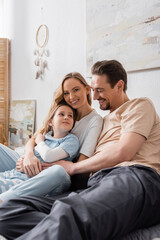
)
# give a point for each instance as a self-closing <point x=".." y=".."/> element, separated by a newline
<point x="117" y="201"/>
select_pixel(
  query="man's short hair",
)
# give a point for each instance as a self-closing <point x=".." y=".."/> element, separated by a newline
<point x="113" y="70"/>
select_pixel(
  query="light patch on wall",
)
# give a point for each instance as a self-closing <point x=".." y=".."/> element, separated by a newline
<point x="124" y="30"/>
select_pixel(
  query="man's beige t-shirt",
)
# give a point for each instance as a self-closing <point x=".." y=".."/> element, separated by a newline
<point x="138" y="116"/>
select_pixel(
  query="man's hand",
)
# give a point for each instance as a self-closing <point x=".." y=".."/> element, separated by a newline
<point x="46" y="165"/>
<point x="67" y="165"/>
<point x="40" y="138"/>
<point x="32" y="165"/>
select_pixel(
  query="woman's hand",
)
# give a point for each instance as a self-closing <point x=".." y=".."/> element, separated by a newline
<point x="31" y="165"/>
<point x="19" y="164"/>
<point x="40" y="138"/>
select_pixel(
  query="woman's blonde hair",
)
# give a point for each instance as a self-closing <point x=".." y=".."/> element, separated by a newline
<point x="46" y="127"/>
<point x="59" y="98"/>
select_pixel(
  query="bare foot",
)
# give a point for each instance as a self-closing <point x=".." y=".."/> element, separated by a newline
<point x="0" y="201"/>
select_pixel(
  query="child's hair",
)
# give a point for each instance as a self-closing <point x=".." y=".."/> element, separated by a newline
<point x="46" y="127"/>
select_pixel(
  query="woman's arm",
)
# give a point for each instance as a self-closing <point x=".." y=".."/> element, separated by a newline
<point x="31" y="164"/>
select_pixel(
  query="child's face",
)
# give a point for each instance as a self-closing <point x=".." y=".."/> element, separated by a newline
<point x="63" y="119"/>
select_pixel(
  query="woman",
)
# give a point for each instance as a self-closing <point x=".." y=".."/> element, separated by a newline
<point x="75" y="91"/>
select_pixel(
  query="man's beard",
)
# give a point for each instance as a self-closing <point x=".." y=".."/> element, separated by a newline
<point x="106" y="107"/>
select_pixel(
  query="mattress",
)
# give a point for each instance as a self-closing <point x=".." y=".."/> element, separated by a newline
<point x="152" y="233"/>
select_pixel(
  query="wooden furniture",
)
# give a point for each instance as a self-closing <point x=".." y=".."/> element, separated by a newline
<point x="4" y="89"/>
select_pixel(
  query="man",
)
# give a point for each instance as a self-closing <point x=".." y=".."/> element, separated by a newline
<point x="121" y="197"/>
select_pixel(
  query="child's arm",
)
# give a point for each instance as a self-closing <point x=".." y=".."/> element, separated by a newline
<point x="50" y="155"/>
<point x="68" y="148"/>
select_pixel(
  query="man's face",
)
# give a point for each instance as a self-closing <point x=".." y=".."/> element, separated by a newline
<point x="103" y="92"/>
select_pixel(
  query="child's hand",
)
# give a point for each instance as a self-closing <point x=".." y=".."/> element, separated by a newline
<point x="19" y="164"/>
<point x="40" y="138"/>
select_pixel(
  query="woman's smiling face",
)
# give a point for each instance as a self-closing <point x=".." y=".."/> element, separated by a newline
<point x="75" y="93"/>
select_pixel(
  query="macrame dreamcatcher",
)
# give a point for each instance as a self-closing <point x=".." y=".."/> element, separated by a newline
<point x="41" y="53"/>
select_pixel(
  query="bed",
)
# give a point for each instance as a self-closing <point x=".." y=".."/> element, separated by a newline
<point x="152" y="233"/>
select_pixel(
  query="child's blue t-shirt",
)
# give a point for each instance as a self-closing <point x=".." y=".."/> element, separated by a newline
<point x="70" y="144"/>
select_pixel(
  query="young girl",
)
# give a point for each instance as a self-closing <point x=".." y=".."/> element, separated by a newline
<point x="56" y="144"/>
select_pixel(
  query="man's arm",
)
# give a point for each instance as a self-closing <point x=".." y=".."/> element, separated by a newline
<point x="46" y="165"/>
<point x="128" y="145"/>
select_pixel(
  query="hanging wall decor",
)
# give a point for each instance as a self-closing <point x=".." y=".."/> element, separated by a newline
<point x="41" y="52"/>
<point x="21" y="122"/>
